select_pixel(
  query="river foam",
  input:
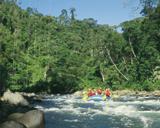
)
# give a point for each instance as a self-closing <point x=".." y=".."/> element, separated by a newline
<point x="121" y="112"/>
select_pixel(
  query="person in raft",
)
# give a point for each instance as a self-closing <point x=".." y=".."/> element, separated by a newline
<point x="91" y="92"/>
<point x="99" y="91"/>
<point x="108" y="93"/>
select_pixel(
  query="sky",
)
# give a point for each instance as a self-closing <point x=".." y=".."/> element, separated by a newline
<point x="112" y="12"/>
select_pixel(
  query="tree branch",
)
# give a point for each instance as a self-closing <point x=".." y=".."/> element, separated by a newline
<point x="108" y="52"/>
<point x="130" y="43"/>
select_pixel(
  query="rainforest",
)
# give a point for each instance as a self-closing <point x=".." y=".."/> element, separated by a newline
<point x="49" y="54"/>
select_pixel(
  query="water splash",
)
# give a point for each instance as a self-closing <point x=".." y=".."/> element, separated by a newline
<point x="146" y="121"/>
<point x="124" y="110"/>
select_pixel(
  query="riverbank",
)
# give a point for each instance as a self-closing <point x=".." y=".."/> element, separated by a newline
<point x="136" y="93"/>
<point x="16" y="109"/>
<point x="118" y="93"/>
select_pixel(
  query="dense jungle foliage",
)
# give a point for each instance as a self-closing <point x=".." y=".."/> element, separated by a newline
<point x="40" y="53"/>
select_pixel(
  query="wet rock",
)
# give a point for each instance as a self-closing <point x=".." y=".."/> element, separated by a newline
<point x="123" y="92"/>
<point x="14" y="98"/>
<point x="31" y="119"/>
<point x="78" y="93"/>
<point x="156" y="93"/>
<point x="15" y="116"/>
<point x="12" y="124"/>
<point x="28" y="94"/>
<point x="32" y="97"/>
<point x="7" y="109"/>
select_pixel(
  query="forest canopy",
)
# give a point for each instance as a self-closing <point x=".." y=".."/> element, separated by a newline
<point x="40" y="53"/>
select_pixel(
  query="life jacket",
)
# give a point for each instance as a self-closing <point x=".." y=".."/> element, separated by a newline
<point x="99" y="91"/>
<point x="91" y="93"/>
<point x="107" y="92"/>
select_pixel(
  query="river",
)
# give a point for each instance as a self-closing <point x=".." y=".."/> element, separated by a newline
<point x="68" y="111"/>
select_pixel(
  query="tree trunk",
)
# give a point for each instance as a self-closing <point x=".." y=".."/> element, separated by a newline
<point x="125" y="64"/>
<point x="45" y="72"/>
<point x="108" y="52"/>
<point x="102" y="76"/>
<point x="130" y="43"/>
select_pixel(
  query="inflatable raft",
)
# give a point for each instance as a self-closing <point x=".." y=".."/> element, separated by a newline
<point x="95" y="98"/>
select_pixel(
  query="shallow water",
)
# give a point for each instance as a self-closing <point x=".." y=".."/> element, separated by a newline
<point x="68" y="111"/>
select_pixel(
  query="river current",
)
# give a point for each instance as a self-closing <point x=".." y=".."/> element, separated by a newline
<point x="68" y="111"/>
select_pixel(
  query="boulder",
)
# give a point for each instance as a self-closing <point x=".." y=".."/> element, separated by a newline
<point x="14" y="98"/>
<point x="28" y="94"/>
<point x="78" y="93"/>
<point x="15" y="116"/>
<point x="12" y="124"/>
<point x="31" y="119"/>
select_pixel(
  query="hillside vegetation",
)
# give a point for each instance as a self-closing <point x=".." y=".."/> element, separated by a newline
<point x="40" y="53"/>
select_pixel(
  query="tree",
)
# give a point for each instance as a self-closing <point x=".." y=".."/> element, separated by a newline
<point x="64" y="18"/>
<point x="148" y="6"/>
<point x="72" y="12"/>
